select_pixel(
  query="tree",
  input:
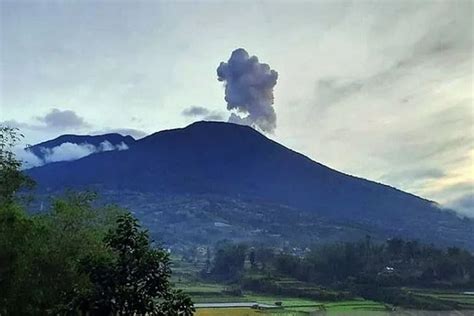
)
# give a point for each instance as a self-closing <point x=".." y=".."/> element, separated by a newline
<point x="135" y="280"/>
<point x="229" y="261"/>
<point x="264" y="256"/>
<point x="252" y="260"/>
<point x="40" y="254"/>
<point x="15" y="227"/>
<point x="395" y="247"/>
<point x="208" y="260"/>
<point x="16" y="234"/>
<point x="11" y="177"/>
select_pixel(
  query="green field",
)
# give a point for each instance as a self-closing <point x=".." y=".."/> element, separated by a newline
<point x="464" y="301"/>
<point x="290" y="306"/>
<point x="293" y="307"/>
<point x="214" y="293"/>
<point x="184" y="278"/>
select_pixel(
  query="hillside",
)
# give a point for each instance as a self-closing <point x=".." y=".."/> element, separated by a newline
<point x="234" y="162"/>
<point x="113" y="138"/>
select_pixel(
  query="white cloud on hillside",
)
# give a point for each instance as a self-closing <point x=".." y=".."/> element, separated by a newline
<point x="64" y="152"/>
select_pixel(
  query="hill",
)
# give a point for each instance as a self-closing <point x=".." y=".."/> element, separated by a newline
<point x="228" y="164"/>
<point x="113" y="138"/>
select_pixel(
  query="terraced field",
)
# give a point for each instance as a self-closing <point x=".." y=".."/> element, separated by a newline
<point x="227" y="312"/>
<point x="290" y="306"/>
<point x="462" y="301"/>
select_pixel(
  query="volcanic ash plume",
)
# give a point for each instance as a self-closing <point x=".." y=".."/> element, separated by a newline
<point x="249" y="90"/>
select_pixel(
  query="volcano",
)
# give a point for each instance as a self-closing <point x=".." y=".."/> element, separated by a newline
<point x="228" y="164"/>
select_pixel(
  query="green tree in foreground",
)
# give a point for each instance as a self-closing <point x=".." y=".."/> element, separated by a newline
<point x="43" y="252"/>
<point x="133" y="281"/>
<point x="11" y="177"/>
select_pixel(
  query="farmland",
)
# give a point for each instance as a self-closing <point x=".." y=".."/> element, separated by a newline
<point x="216" y="293"/>
<point x="292" y="306"/>
<point x="300" y="307"/>
<point x="185" y="276"/>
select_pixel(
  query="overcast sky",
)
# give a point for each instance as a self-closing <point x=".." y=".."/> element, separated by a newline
<point x="381" y="90"/>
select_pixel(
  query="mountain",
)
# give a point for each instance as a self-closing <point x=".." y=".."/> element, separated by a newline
<point x="228" y="164"/>
<point x="113" y="138"/>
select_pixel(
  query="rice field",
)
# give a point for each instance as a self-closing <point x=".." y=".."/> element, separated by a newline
<point x="292" y="307"/>
<point x="227" y="312"/>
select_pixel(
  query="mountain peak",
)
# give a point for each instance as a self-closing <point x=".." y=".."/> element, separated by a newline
<point x="238" y="162"/>
<point x="217" y="124"/>
<point x="203" y="134"/>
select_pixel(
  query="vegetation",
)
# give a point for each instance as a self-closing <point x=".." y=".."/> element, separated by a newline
<point x="341" y="271"/>
<point x="229" y="261"/>
<point x="11" y="178"/>
<point x="78" y="257"/>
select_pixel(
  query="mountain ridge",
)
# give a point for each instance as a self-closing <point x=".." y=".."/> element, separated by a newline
<point x="114" y="138"/>
<point x="230" y="160"/>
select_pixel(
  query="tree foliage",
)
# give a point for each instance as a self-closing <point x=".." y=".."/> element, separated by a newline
<point x="11" y="177"/>
<point x="133" y="281"/>
<point x="229" y="261"/>
<point x="79" y="256"/>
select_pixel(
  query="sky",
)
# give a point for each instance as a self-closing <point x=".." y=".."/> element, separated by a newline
<point x="378" y="89"/>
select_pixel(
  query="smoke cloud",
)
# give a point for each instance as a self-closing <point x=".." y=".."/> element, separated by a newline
<point x="249" y="90"/>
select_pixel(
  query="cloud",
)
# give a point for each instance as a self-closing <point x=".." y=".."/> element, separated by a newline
<point x="195" y="111"/>
<point x="214" y="117"/>
<point x="57" y="122"/>
<point x="64" y="152"/>
<point x="330" y="90"/>
<point x="50" y="125"/>
<point x="27" y="158"/>
<point x="401" y="106"/>
<point x="411" y="176"/>
<point x="65" y="119"/>
<point x="121" y="146"/>
<point x="106" y="146"/>
<point x="70" y="151"/>
<point x="249" y="90"/>
<point x="463" y="204"/>
<point x="202" y="113"/>
<point x="17" y="124"/>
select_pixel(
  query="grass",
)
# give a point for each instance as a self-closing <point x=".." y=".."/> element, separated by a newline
<point x="463" y="301"/>
<point x="227" y="312"/>
<point x="202" y="289"/>
<point x="286" y="301"/>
